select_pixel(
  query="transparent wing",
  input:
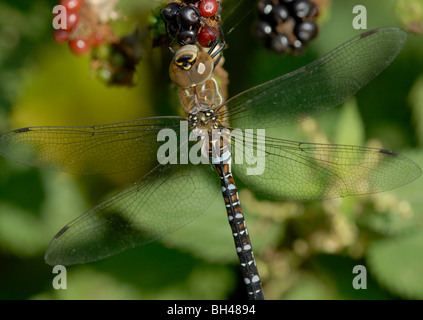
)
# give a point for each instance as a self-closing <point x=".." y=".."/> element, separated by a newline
<point x="234" y="11"/>
<point x="297" y="170"/>
<point x="319" y="86"/>
<point x="160" y="202"/>
<point x="88" y="150"/>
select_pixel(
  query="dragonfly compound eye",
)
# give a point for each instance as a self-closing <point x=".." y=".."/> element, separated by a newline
<point x="190" y="67"/>
<point x="186" y="56"/>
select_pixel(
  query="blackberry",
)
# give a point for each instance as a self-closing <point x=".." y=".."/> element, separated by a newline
<point x="286" y="26"/>
<point x="303" y="9"/>
<point x="297" y="46"/>
<point x="170" y="12"/>
<point x="265" y="9"/>
<point x="280" y="13"/>
<point x="280" y="43"/>
<point x="184" y="20"/>
<point x="305" y="30"/>
<point x="187" y="36"/>
<point x="263" y="31"/>
<point x="189" y="16"/>
<point x="173" y="29"/>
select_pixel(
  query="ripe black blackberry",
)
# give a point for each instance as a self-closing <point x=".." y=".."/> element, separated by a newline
<point x="286" y="26"/>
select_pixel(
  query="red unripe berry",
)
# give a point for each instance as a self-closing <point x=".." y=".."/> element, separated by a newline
<point x="208" y="8"/>
<point x="60" y="35"/>
<point x="71" y="5"/>
<point x="96" y="39"/>
<point x="206" y="37"/>
<point x="79" y="46"/>
<point x="72" y="19"/>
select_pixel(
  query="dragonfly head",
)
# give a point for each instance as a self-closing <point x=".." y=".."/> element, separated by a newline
<point x="190" y="67"/>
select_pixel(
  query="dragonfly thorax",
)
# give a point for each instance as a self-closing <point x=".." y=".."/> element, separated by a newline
<point x="202" y="101"/>
<point x="215" y="138"/>
<point x="206" y="119"/>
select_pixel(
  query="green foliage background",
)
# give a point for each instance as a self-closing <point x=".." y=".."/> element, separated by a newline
<point x="305" y="250"/>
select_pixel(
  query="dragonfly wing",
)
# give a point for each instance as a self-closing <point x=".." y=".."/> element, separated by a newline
<point x="235" y="11"/>
<point x="88" y="150"/>
<point x="318" y="86"/>
<point x="162" y="201"/>
<point x="298" y="171"/>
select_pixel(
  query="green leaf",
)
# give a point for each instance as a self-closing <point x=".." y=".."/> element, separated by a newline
<point x="397" y="264"/>
<point x="410" y="12"/>
<point x="20" y="231"/>
<point x="412" y="192"/>
<point x="416" y="101"/>
<point x="310" y="287"/>
<point x="210" y="236"/>
<point x="399" y="210"/>
<point x="150" y="272"/>
<point x="350" y="129"/>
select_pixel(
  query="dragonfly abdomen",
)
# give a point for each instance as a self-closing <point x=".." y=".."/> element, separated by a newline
<point x="240" y="232"/>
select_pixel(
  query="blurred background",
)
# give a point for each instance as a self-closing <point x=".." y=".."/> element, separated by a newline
<point x="304" y="250"/>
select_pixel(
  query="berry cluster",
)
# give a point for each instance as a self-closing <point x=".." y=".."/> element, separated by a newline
<point x="286" y="25"/>
<point x="80" y="39"/>
<point x="113" y="58"/>
<point x="114" y="63"/>
<point x="190" y="21"/>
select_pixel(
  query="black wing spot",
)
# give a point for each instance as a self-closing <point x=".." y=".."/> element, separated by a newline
<point x="388" y="152"/>
<point x="368" y="33"/>
<point x="22" y="130"/>
<point x="59" y="234"/>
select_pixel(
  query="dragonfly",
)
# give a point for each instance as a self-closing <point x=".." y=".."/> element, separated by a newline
<point x="172" y="195"/>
